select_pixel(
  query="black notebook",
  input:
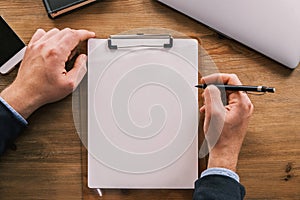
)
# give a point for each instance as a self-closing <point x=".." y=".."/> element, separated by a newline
<point x="59" y="7"/>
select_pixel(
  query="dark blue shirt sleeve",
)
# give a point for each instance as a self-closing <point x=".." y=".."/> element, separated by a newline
<point x="218" y="187"/>
<point x="10" y="127"/>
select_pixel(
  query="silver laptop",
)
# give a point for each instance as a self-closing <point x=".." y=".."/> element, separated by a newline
<point x="268" y="26"/>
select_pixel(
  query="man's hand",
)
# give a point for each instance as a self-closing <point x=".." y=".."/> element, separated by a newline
<point x="42" y="77"/>
<point x="225" y="126"/>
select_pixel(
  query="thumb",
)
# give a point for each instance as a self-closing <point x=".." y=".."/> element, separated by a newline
<point x="213" y="101"/>
<point x="78" y="71"/>
<point x="214" y="115"/>
<point x="37" y="35"/>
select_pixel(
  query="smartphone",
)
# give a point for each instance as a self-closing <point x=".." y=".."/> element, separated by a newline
<point x="12" y="48"/>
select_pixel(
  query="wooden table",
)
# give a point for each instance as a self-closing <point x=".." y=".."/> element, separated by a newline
<point x="50" y="162"/>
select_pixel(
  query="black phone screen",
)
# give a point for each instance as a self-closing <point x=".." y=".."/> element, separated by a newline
<point x="10" y="43"/>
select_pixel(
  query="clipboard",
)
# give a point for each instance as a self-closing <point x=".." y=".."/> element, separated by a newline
<point x="142" y="112"/>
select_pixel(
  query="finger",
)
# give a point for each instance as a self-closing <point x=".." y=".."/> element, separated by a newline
<point x="72" y="38"/>
<point x="69" y="39"/>
<point x="77" y="73"/>
<point x="202" y="109"/>
<point x="212" y="78"/>
<point x="49" y="35"/>
<point x="74" y="52"/>
<point x="214" y="115"/>
<point x="230" y="79"/>
<point x="241" y="100"/>
<point x="213" y="100"/>
<point x="213" y="104"/>
<point x="37" y="35"/>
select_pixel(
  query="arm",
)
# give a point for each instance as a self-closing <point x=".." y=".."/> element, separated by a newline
<point x="9" y="120"/>
<point x="42" y="77"/>
<point x="225" y="129"/>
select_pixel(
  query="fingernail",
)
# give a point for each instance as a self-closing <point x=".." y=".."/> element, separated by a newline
<point x="93" y="33"/>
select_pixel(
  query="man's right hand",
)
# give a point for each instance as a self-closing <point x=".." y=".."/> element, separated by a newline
<point x="225" y="126"/>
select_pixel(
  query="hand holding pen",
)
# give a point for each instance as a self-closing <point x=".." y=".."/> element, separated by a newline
<point x="225" y="126"/>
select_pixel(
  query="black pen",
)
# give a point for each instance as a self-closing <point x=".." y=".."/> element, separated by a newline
<point x="246" y="88"/>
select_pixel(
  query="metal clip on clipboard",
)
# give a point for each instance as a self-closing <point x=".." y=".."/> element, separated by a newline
<point x="139" y="40"/>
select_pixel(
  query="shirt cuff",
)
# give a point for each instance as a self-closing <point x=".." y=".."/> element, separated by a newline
<point x="14" y="112"/>
<point x="221" y="171"/>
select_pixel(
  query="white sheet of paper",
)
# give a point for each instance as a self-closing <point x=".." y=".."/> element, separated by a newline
<point x="142" y="116"/>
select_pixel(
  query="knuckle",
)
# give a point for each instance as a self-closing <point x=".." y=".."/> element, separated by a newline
<point x="70" y="86"/>
<point x="52" y="52"/>
<point x="55" y="30"/>
<point x="31" y="46"/>
<point x="36" y="46"/>
<point x="234" y="76"/>
<point x="71" y="33"/>
<point x="67" y="30"/>
<point x="251" y="108"/>
<point x="247" y="106"/>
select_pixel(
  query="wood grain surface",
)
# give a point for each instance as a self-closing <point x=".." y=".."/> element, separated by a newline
<point x="50" y="162"/>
